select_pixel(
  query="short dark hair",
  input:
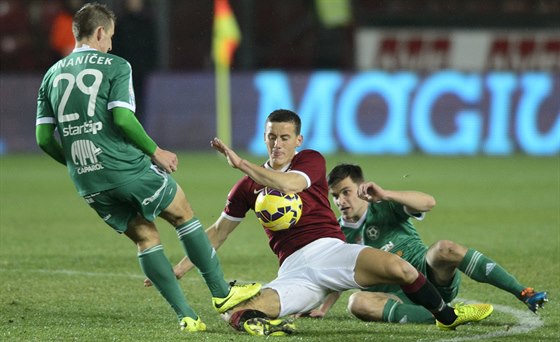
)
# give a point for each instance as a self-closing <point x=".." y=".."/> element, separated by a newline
<point x="90" y="17"/>
<point x="284" y="115"/>
<point x="341" y="171"/>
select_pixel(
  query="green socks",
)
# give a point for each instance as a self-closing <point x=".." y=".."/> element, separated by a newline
<point x="157" y="268"/>
<point x="395" y="312"/>
<point x="482" y="269"/>
<point x="203" y="256"/>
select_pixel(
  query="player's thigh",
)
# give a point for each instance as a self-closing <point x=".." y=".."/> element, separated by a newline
<point x="146" y="196"/>
<point x="307" y="276"/>
<point x="179" y="210"/>
<point x="375" y="266"/>
<point x="296" y="293"/>
<point x="332" y="263"/>
<point x="150" y="194"/>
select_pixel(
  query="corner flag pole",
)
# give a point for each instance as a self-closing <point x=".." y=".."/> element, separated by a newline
<point x="225" y="41"/>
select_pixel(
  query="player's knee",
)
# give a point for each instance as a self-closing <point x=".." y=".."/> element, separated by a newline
<point x="356" y="305"/>
<point x="143" y="233"/>
<point x="366" y="306"/>
<point x="178" y="213"/>
<point x="444" y="246"/>
<point x="178" y="220"/>
<point x="445" y="251"/>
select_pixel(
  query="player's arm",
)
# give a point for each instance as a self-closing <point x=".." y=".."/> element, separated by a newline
<point x="413" y="201"/>
<point x="324" y="308"/>
<point x="217" y="234"/>
<point x="44" y="134"/>
<point x="287" y="182"/>
<point x="133" y="130"/>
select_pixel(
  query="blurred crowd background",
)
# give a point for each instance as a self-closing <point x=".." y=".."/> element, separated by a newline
<point x="435" y="76"/>
<point x="293" y="34"/>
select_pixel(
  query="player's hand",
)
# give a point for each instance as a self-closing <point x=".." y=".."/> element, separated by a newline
<point x="233" y="159"/>
<point x="371" y="192"/>
<point x="315" y="313"/>
<point x="166" y="160"/>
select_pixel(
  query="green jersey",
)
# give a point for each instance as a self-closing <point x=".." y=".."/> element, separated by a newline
<point x="387" y="226"/>
<point x="77" y="95"/>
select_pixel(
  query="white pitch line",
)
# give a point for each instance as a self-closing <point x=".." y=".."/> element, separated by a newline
<point x="97" y="274"/>
<point x="75" y="273"/>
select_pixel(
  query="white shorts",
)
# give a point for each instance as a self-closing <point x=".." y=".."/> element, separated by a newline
<point x="307" y="276"/>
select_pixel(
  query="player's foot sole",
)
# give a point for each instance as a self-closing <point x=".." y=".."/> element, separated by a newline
<point x="266" y="327"/>
<point x="534" y="300"/>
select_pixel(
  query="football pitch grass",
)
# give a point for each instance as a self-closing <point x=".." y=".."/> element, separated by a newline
<point x="65" y="275"/>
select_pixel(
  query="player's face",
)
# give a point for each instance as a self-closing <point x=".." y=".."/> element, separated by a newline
<point x="345" y="197"/>
<point x="281" y="142"/>
<point x="106" y="38"/>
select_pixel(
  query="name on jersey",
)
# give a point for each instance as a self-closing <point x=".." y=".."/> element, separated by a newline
<point x="85" y="128"/>
<point x="90" y="58"/>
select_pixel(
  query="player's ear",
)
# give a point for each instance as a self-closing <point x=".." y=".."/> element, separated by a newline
<point x="99" y="31"/>
<point x="299" y="140"/>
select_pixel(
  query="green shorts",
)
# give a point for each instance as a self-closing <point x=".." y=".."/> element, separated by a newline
<point x="148" y="196"/>
<point x="418" y="259"/>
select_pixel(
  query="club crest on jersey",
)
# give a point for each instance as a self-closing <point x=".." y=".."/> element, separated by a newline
<point x="371" y="232"/>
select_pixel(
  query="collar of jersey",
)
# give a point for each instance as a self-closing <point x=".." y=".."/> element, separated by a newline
<point x="284" y="169"/>
<point x="84" y="47"/>
<point x="354" y="225"/>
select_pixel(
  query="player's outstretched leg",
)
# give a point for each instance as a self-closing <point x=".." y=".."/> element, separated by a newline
<point x="466" y="314"/>
<point x="485" y="270"/>
<point x="157" y="268"/>
<point x="204" y="257"/>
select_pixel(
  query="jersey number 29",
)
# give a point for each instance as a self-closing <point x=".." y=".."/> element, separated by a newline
<point x="91" y="90"/>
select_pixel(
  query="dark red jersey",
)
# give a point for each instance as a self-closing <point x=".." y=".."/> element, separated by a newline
<point x="317" y="219"/>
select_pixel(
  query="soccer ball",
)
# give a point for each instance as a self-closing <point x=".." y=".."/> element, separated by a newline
<point x="276" y="210"/>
